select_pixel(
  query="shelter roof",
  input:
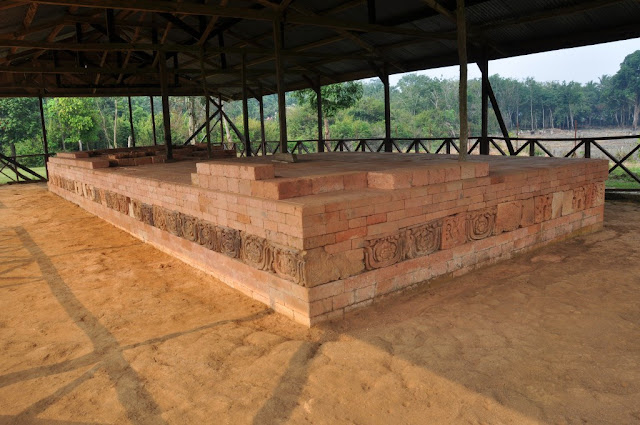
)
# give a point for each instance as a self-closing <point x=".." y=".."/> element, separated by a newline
<point x="113" y="47"/>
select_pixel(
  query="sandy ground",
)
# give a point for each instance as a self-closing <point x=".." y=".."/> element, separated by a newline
<point x="99" y="328"/>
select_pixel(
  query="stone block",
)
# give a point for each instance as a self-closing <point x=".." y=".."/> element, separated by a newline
<point x="509" y="216"/>
<point x="528" y="212"/>
<point x="543" y="208"/>
<point x="453" y="231"/>
<point x="556" y="204"/>
<point x="567" y="202"/>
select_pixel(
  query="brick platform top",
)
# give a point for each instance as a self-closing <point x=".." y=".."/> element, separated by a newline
<point x="141" y="155"/>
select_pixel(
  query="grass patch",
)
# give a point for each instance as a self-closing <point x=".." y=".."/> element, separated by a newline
<point x="8" y="175"/>
<point x="619" y="179"/>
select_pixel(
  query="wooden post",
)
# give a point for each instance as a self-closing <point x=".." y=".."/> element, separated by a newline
<point x="262" y="132"/>
<point x="282" y="105"/>
<point x="371" y="9"/>
<point x="503" y="127"/>
<point x="587" y="148"/>
<point x="44" y="137"/>
<point x="153" y="121"/>
<point x="462" y="92"/>
<point x="206" y="104"/>
<point x="484" y="68"/>
<point x="320" y="118"/>
<point x="532" y="148"/>
<point x="166" y="113"/>
<point x="207" y="111"/>
<point x="176" y="80"/>
<point x="245" y="106"/>
<point x="133" y="135"/>
<point x="388" y="147"/>
<point x="221" y="120"/>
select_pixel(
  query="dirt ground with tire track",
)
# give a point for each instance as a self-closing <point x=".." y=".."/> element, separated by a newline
<point x="98" y="328"/>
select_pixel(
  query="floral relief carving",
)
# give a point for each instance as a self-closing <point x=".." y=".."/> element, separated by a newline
<point x="160" y="217"/>
<point x="206" y="235"/>
<point x="189" y="227"/>
<point x="424" y="239"/>
<point x="382" y="252"/>
<point x="174" y="223"/>
<point x="146" y="213"/>
<point x="256" y="252"/>
<point x="480" y="224"/>
<point x="289" y="265"/>
<point x="122" y="203"/>
<point x="111" y="200"/>
<point x="229" y="241"/>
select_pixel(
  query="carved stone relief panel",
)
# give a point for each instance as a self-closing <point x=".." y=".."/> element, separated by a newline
<point x="383" y="252"/>
<point x="289" y="265"/>
<point x="480" y="224"/>
<point x="189" y="227"/>
<point x="160" y="217"/>
<point x="229" y="241"/>
<point x="542" y="207"/>
<point x="424" y="239"/>
<point x="579" y="201"/>
<point x="207" y="235"/>
<point x="174" y="223"/>
<point x="146" y="213"/>
<point x="257" y="252"/>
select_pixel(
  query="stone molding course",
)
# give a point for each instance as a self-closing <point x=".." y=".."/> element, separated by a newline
<point x="252" y="250"/>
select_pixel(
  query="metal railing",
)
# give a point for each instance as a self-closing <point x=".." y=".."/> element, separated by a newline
<point x="15" y="171"/>
<point x="585" y="147"/>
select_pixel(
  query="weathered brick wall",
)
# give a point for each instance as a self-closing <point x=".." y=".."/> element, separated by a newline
<point x="342" y="238"/>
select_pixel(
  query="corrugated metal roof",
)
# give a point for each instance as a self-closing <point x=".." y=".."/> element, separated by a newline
<point x="329" y="39"/>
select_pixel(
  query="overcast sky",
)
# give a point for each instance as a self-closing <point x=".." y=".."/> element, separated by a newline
<point x="581" y="64"/>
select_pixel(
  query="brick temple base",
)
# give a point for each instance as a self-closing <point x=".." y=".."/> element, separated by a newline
<point x="333" y="232"/>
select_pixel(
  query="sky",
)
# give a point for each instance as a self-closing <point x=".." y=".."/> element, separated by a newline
<point x="581" y="64"/>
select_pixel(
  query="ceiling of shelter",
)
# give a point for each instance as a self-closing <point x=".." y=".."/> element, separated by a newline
<point x="115" y="47"/>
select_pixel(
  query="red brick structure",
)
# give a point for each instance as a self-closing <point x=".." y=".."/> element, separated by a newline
<point x="328" y="234"/>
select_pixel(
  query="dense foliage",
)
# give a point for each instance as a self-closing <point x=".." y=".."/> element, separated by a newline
<point x="421" y="106"/>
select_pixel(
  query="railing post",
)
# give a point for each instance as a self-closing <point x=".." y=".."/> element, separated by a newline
<point x="532" y="148"/>
<point x="448" y="146"/>
<point x="416" y="146"/>
<point x="587" y="148"/>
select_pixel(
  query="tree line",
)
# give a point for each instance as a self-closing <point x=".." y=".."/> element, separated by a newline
<point x="421" y="106"/>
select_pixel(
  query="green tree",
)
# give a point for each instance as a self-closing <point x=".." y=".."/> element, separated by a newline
<point x="77" y="120"/>
<point x="19" y="123"/>
<point x="627" y="81"/>
<point x="335" y="97"/>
